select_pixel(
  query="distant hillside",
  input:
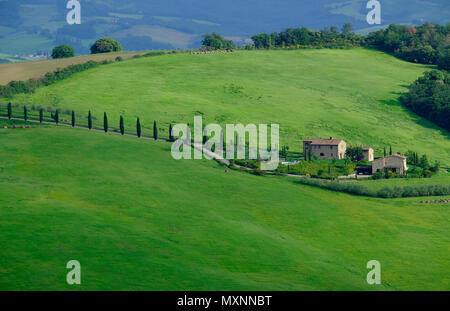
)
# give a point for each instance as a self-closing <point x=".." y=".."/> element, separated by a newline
<point x="34" y="26"/>
<point x="350" y="94"/>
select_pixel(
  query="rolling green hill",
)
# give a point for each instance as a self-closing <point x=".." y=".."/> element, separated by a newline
<point x="138" y="220"/>
<point x="348" y="94"/>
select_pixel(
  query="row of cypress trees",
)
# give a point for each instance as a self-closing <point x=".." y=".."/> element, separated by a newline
<point x="55" y="117"/>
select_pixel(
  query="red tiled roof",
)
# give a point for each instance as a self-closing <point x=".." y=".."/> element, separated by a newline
<point x="324" y="142"/>
<point x="398" y="155"/>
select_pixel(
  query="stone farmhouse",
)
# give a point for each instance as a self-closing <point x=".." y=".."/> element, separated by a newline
<point x="324" y="148"/>
<point x="329" y="149"/>
<point x="395" y="163"/>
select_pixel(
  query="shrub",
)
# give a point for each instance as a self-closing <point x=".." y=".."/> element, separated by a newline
<point x="105" y="45"/>
<point x="259" y="172"/>
<point x="63" y="51"/>
<point x="377" y="175"/>
<point x="427" y="173"/>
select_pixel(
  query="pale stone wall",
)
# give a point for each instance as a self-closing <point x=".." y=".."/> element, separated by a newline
<point x="369" y="155"/>
<point x="394" y="163"/>
<point x="326" y="151"/>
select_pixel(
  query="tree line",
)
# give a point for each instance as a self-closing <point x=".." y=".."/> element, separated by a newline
<point x="425" y="44"/>
<point x="298" y="37"/>
<point x="429" y="97"/>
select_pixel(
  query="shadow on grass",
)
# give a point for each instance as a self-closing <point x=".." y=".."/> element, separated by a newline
<point x="415" y="117"/>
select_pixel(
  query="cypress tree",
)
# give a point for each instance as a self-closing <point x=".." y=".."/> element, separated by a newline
<point x="205" y="138"/>
<point x="122" y="128"/>
<point x="105" y="122"/>
<point x="9" y="111"/>
<point x="138" y="128"/>
<point x="188" y="134"/>
<point x="390" y="150"/>
<point x="90" y="120"/>
<point x="56" y="116"/>
<point x="170" y="133"/>
<point x="41" y="115"/>
<point x="25" y="113"/>
<point x="155" y="131"/>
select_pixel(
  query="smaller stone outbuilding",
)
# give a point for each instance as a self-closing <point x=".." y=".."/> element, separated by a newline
<point x="368" y="154"/>
<point x="395" y="163"/>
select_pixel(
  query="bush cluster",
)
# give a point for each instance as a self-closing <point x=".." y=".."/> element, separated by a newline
<point x="385" y="192"/>
<point x="348" y="187"/>
<point x="413" y="191"/>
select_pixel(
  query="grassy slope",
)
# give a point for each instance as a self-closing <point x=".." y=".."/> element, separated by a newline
<point x="137" y="219"/>
<point x="26" y="70"/>
<point x="351" y="94"/>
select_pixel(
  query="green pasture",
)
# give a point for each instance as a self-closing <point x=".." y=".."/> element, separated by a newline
<point x="138" y="220"/>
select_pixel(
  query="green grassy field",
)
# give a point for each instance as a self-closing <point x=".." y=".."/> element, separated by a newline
<point x="138" y="220"/>
<point x="348" y="94"/>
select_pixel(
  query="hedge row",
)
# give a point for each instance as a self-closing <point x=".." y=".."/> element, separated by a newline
<point x="29" y="86"/>
<point x="385" y="192"/>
